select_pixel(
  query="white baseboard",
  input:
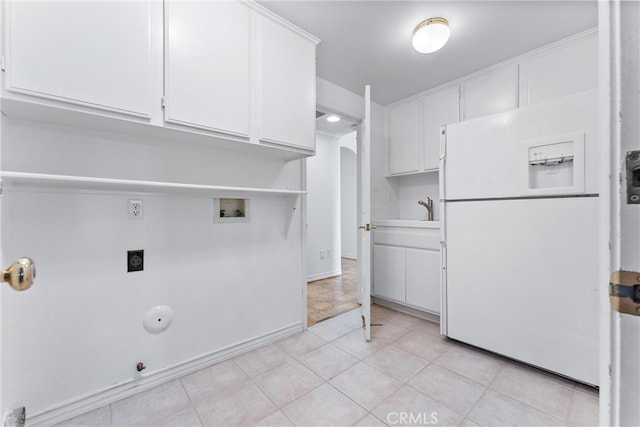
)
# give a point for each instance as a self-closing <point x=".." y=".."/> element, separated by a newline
<point x="432" y="317"/>
<point x="321" y="276"/>
<point x="94" y="400"/>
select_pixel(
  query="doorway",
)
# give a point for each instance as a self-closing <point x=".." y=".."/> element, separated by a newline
<point x="332" y="219"/>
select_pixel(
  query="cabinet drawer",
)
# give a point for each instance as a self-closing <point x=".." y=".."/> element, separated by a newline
<point x="424" y="238"/>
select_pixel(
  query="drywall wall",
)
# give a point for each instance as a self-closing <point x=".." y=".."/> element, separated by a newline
<point x="412" y="188"/>
<point x="323" y="209"/>
<point x="77" y="335"/>
<point x="384" y="197"/>
<point x="348" y="196"/>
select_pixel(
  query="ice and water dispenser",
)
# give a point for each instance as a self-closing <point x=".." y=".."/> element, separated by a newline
<point x="555" y="165"/>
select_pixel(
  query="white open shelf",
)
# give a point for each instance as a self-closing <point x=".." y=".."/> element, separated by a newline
<point x="41" y="111"/>
<point x="25" y="180"/>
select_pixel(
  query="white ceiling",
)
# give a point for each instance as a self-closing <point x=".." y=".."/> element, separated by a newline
<point x="339" y="128"/>
<point x="369" y="42"/>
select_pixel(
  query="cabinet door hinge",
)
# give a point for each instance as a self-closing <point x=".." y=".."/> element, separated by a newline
<point x="2" y="67"/>
<point x="163" y="103"/>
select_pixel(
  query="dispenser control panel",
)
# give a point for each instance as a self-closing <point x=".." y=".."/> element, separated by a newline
<point x="551" y="154"/>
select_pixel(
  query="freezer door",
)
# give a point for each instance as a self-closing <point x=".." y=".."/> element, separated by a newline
<point x="522" y="281"/>
<point x="502" y="155"/>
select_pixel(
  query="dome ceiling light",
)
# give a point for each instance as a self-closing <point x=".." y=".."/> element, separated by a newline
<point x="430" y="35"/>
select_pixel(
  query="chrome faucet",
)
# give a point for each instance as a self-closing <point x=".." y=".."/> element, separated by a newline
<point x="429" y="206"/>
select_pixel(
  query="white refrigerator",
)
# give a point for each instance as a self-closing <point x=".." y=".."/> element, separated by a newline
<point x="520" y="225"/>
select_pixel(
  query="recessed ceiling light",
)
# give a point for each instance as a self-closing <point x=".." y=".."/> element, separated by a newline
<point x="333" y="118"/>
<point x="430" y="35"/>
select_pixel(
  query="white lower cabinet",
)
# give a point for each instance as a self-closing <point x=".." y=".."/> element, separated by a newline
<point x="406" y="267"/>
<point x="389" y="272"/>
<point x="422" y="279"/>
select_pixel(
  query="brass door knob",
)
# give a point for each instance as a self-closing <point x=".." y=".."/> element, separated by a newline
<point x="21" y="274"/>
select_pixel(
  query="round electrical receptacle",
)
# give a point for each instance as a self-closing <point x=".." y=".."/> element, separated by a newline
<point x="158" y="319"/>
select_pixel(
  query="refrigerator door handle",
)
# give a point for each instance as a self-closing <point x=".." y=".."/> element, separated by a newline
<point x="443" y="288"/>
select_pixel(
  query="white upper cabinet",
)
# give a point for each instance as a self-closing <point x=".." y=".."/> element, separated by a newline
<point x="207" y="65"/>
<point x="405" y="134"/>
<point x="439" y="108"/>
<point x="414" y="130"/>
<point x="224" y="71"/>
<point x="563" y="70"/>
<point x="287" y="82"/>
<point x="491" y="92"/>
<point x="88" y="53"/>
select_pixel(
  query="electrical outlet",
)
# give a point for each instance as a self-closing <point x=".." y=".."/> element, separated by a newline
<point x="329" y="253"/>
<point x="135" y="209"/>
<point x="135" y="260"/>
<point x="323" y="254"/>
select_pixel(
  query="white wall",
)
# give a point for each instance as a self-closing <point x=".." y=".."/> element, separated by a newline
<point x="73" y="340"/>
<point x="323" y="209"/>
<point x="349" y="196"/>
<point x="384" y="193"/>
<point x="412" y="188"/>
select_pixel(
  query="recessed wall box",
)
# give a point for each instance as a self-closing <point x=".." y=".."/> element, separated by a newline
<point x="231" y="210"/>
<point x="554" y="165"/>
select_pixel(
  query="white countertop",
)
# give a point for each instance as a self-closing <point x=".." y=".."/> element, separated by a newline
<point x="410" y="223"/>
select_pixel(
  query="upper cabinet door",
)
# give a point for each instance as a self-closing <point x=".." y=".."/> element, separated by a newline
<point x="404" y="137"/>
<point x="207" y="70"/>
<point x="566" y="69"/>
<point x="439" y="108"/>
<point x="89" y="53"/>
<point x="492" y="92"/>
<point x="287" y="86"/>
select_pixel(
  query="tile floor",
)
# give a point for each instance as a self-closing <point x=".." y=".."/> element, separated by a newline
<point x="330" y="297"/>
<point x="407" y="375"/>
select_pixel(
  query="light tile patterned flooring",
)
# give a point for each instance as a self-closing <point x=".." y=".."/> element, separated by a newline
<point x="333" y="296"/>
<point x="407" y="374"/>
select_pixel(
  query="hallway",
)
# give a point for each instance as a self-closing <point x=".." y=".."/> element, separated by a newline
<point x="330" y="297"/>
